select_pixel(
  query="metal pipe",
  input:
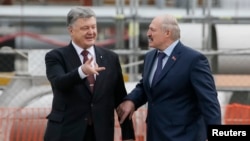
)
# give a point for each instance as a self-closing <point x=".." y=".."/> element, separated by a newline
<point x="133" y="38"/>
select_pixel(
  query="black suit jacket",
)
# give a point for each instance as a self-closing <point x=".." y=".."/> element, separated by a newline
<point x="73" y="101"/>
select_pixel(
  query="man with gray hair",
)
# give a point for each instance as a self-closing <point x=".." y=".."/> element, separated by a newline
<point x="84" y="94"/>
<point x="177" y="85"/>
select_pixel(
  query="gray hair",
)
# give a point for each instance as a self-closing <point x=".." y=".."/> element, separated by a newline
<point x="79" y="12"/>
<point x="170" y="23"/>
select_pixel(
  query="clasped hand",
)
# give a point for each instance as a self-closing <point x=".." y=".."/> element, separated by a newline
<point x="125" y="109"/>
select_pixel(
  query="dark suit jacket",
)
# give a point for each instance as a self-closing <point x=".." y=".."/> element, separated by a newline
<point x="183" y="101"/>
<point x="73" y="101"/>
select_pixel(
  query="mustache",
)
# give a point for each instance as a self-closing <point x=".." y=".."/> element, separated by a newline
<point x="150" y="38"/>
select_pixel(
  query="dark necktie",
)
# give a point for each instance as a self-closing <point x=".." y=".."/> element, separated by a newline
<point x="158" y="70"/>
<point x="90" y="78"/>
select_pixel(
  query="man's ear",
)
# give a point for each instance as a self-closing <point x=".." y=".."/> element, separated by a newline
<point x="70" y="29"/>
<point x="167" y="33"/>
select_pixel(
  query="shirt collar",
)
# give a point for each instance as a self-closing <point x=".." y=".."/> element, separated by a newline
<point x="170" y="49"/>
<point x="79" y="49"/>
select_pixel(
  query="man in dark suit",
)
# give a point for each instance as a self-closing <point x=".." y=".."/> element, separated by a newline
<point x="83" y="109"/>
<point x="182" y="97"/>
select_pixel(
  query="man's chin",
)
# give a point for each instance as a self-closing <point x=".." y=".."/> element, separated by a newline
<point x="151" y="46"/>
<point x="91" y="43"/>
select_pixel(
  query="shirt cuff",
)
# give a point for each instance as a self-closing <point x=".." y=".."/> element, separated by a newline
<point x="81" y="74"/>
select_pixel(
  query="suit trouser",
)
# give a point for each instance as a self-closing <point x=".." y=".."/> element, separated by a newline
<point x="90" y="134"/>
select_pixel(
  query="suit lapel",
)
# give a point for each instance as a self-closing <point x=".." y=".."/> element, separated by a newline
<point x="73" y="56"/>
<point x="100" y="60"/>
<point x="149" y="61"/>
<point x="173" y="58"/>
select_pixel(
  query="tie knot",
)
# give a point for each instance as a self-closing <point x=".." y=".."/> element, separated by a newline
<point x="85" y="52"/>
<point x="161" y="55"/>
